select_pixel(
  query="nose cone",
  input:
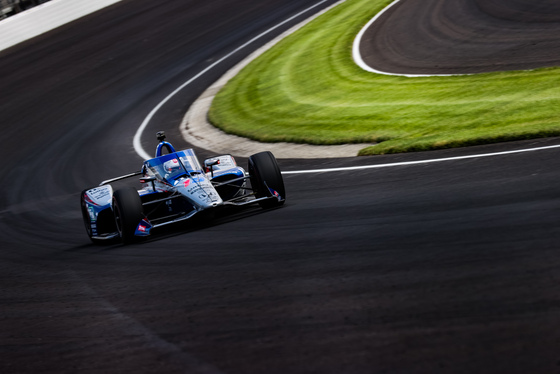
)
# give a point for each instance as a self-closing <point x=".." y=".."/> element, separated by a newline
<point x="200" y="192"/>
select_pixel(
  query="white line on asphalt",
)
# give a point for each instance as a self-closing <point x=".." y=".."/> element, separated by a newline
<point x="358" y="56"/>
<point x="407" y="163"/>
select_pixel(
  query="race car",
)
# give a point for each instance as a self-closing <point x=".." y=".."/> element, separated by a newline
<point x="175" y="187"/>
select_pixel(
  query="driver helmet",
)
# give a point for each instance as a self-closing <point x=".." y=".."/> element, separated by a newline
<point x="172" y="166"/>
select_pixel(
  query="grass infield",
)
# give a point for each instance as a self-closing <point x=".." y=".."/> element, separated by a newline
<point x="307" y="89"/>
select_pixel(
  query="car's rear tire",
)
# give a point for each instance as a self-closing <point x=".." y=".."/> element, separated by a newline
<point x="265" y="175"/>
<point x="127" y="209"/>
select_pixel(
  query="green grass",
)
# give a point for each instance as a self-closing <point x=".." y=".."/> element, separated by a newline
<point x="307" y="89"/>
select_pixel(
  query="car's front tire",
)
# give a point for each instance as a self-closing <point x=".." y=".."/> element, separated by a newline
<point x="127" y="209"/>
<point x="265" y="175"/>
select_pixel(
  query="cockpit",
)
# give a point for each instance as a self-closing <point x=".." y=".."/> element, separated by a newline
<point x="172" y="166"/>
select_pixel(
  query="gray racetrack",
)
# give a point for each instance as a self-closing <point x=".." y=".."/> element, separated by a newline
<point x="449" y="267"/>
<point x="464" y="36"/>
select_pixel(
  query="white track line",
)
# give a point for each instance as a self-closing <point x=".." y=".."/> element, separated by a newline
<point x="138" y="136"/>
<point x="358" y="56"/>
<point x="407" y="163"/>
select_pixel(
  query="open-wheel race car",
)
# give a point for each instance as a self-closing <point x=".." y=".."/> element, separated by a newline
<point x="174" y="187"/>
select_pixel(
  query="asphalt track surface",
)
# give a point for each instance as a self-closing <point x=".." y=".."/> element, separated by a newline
<point x="450" y="267"/>
<point x="464" y="36"/>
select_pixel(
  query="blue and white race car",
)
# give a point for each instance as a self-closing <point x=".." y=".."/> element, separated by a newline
<point x="175" y="187"/>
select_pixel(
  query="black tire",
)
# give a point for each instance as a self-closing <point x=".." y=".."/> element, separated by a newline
<point x="127" y="209"/>
<point x="265" y="173"/>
